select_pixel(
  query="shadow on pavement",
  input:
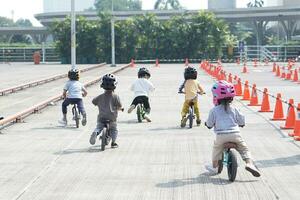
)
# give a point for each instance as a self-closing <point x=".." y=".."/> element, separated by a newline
<point x="93" y="149"/>
<point x="55" y="127"/>
<point x="203" y="178"/>
<point x="166" y="128"/>
<point x="279" y="162"/>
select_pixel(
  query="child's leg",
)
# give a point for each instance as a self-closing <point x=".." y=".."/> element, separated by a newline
<point x="217" y="152"/>
<point x="185" y="108"/>
<point x="146" y="104"/>
<point x="242" y="148"/>
<point x="82" y="111"/>
<point x="113" y="134"/>
<point x="196" y="109"/>
<point x="65" y="104"/>
<point x="133" y="104"/>
<point x="96" y="132"/>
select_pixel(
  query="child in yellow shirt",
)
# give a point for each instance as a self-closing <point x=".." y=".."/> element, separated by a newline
<point x="191" y="89"/>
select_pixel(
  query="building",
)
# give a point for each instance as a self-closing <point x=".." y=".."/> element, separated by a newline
<point x="291" y="3"/>
<point x="65" y="5"/>
<point x="221" y="4"/>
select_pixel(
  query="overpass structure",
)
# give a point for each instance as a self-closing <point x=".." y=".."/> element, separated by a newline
<point x="38" y="34"/>
<point x="260" y="17"/>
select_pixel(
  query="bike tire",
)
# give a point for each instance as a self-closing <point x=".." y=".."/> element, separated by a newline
<point x="232" y="165"/>
<point x="139" y="113"/>
<point x="220" y="165"/>
<point x="104" y="138"/>
<point x="191" y="118"/>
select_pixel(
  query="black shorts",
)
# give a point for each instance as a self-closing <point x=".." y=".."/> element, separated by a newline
<point x="143" y="100"/>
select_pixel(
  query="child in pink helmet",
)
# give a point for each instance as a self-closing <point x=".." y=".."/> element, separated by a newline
<point x="226" y="121"/>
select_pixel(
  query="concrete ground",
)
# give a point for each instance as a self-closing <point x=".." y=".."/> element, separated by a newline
<point x="41" y="160"/>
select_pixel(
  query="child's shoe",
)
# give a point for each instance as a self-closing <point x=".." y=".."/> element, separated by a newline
<point x="83" y="122"/>
<point x="211" y="170"/>
<point x="183" y="122"/>
<point x="114" y="145"/>
<point x="93" y="138"/>
<point x="131" y="108"/>
<point x="63" y="121"/>
<point x="198" y="122"/>
<point x="252" y="169"/>
<point x="147" y="118"/>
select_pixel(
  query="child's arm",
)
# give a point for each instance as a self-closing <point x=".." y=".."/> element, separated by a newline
<point x="211" y="120"/>
<point x="64" y="94"/>
<point x="181" y="87"/>
<point x="200" y="89"/>
<point x="119" y="104"/>
<point x="240" y="118"/>
<point x="84" y="92"/>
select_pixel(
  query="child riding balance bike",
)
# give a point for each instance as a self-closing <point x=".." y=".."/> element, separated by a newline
<point x="226" y="120"/>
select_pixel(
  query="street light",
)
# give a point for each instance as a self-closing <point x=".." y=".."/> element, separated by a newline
<point x="73" y="35"/>
<point x="113" y="62"/>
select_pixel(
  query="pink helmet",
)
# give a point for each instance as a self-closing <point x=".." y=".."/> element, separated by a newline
<point x="221" y="90"/>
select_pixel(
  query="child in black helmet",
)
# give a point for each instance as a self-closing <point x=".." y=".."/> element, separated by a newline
<point x="108" y="104"/>
<point x="141" y="88"/>
<point x="191" y="88"/>
<point x="73" y="92"/>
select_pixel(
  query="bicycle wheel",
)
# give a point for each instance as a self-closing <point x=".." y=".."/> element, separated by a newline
<point x="76" y="116"/>
<point x="232" y="165"/>
<point x="104" y="137"/>
<point x="139" y="113"/>
<point x="220" y="163"/>
<point x="191" y="117"/>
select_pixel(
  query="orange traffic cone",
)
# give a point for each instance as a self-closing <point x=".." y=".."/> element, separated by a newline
<point x="296" y="132"/>
<point x="288" y="75"/>
<point x="132" y="63"/>
<point x="278" y="112"/>
<point x="186" y="62"/>
<point x="254" y="97"/>
<point x="230" y="78"/>
<point x="278" y="71"/>
<point x="156" y="63"/>
<point x="283" y="75"/>
<point x="290" y="119"/>
<point x="239" y="89"/>
<point x="274" y="67"/>
<point x="295" y="78"/>
<point x="265" y="106"/>
<point x="245" y="68"/>
<point x="246" y="92"/>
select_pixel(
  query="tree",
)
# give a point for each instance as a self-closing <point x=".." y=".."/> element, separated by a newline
<point x="23" y="23"/>
<point x="5" y="22"/>
<point x="118" y="5"/>
<point x="255" y="3"/>
<point x="167" y="5"/>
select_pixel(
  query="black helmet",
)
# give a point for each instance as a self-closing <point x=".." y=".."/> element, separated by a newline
<point x="109" y="82"/>
<point x="73" y="74"/>
<point x="190" y="73"/>
<point x="143" y="71"/>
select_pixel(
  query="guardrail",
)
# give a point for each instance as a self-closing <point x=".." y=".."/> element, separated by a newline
<point x="42" y="81"/>
<point x="36" y="108"/>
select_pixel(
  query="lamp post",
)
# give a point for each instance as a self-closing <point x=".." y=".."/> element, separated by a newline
<point x="113" y="62"/>
<point x="73" y="35"/>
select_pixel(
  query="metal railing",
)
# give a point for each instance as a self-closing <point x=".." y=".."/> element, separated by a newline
<point x="272" y="52"/>
<point x="24" y="54"/>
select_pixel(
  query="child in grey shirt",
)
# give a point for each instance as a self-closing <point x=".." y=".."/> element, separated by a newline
<point x="108" y="104"/>
<point x="226" y="121"/>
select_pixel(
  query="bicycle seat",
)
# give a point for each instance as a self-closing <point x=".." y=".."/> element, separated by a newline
<point x="191" y="103"/>
<point x="229" y="145"/>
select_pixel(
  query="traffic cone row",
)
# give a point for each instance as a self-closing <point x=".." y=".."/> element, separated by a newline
<point x="287" y="72"/>
<point x="292" y="119"/>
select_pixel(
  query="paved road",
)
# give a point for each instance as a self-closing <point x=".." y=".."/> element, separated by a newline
<point x="24" y="99"/>
<point x="158" y="160"/>
<point x="19" y="73"/>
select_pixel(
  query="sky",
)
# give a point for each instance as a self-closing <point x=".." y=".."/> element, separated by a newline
<point x="27" y="8"/>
